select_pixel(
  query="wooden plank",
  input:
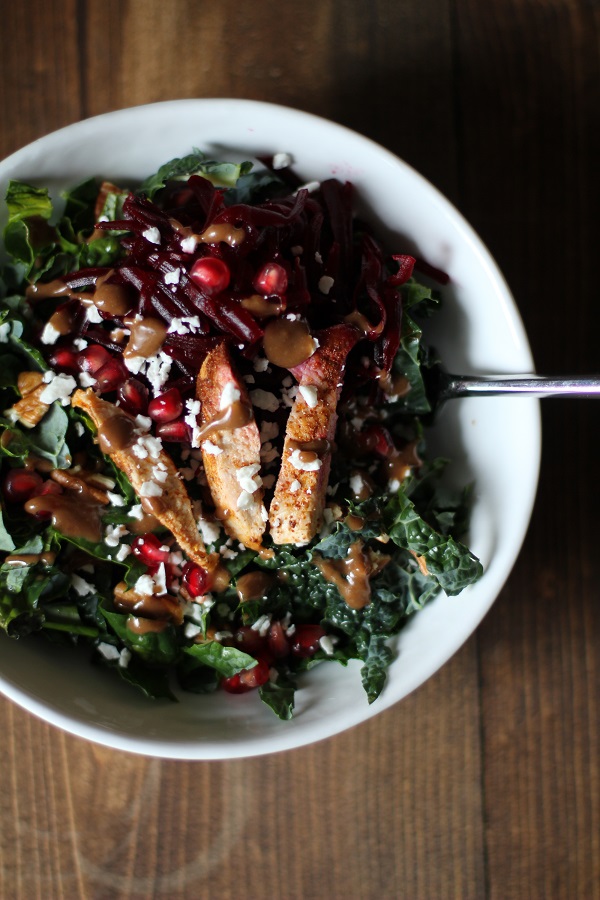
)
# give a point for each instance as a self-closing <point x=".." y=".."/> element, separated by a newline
<point x="529" y="94"/>
<point x="391" y="808"/>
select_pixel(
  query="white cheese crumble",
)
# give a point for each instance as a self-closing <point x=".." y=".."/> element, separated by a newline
<point x="313" y="465"/>
<point x="248" y="478"/>
<point x="191" y="630"/>
<point x="60" y="388"/>
<point x="152" y="234"/>
<point x="124" y="658"/>
<point x="295" y="486"/>
<point x="136" y="512"/>
<point x="144" y="586"/>
<point x="92" y="314"/>
<point x="115" y="499"/>
<point x="143" y="423"/>
<point x="210" y="531"/>
<point x="86" y="380"/>
<point x="109" y="652"/>
<point x="123" y="552"/>
<point x="113" y="535"/>
<point x="81" y="586"/>
<point x="184" y="325"/>
<point x="260" y="364"/>
<point x="150" y="489"/>
<point x="50" y="334"/>
<point x="229" y="396"/>
<point x="134" y="364"/>
<point x="327" y="644"/>
<point x="264" y="400"/>
<point x="326" y="282"/>
<point x="4" y="332"/>
<point x="310" y="394"/>
<point x="80" y="343"/>
<point x="262" y="625"/>
<point x="281" y="160"/>
<point x="172" y="277"/>
<point x="357" y="483"/>
<point x="188" y="244"/>
<point x="211" y="448"/>
<point x="318" y="257"/>
<point x="268" y="431"/>
<point x="245" y="501"/>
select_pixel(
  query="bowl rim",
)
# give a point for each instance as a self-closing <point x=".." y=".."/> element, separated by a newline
<point x="188" y="750"/>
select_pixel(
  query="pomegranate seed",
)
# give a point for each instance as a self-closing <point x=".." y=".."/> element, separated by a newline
<point x="378" y="439"/>
<point x="178" y="431"/>
<point x="249" y="640"/>
<point x="93" y="358"/>
<point x="247" y="679"/>
<point x="271" y="280"/>
<point x="166" y="407"/>
<point x="195" y="579"/>
<point x="111" y="376"/>
<point x="21" y="485"/>
<point x="278" y="642"/>
<point x="305" y="640"/>
<point x="257" y="675"/>
<point x="133" y="397"/>
<point x="211" y="274"/>
<point x="64" y="360"/>
<point x="150" y="550"/>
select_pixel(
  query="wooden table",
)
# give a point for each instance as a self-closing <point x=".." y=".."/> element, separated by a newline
<point x="486" y="781"/>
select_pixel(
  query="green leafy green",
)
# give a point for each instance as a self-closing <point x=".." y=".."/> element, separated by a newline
<point x="279" y="696"/>
<point x="196" y="163"/>
<point x="226" y="661"/>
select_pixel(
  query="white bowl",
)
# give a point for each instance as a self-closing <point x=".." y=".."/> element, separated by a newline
<point x="495" y="442"/>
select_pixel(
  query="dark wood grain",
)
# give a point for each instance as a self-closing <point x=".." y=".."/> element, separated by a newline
<point x="485" y="782"/>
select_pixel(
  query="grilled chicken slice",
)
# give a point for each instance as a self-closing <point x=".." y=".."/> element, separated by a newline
<point x="154" y="476"/>
<point x="296" y="511"/>
<point x="230" y="445"/>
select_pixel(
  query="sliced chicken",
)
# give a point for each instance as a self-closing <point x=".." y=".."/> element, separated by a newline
<point x="296" y="511"/>
<point x="150" y="470"/>
<point x="230" y="445"/>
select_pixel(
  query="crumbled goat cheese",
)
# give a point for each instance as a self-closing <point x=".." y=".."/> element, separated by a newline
<point x="260" y="364"/>
<point x="210" y="531"/>
<point x="172" y="277"/>
<point x="229" y="396"/>
<point x="188" y="244"/>
<point x="86" y="380"/>
<point x="4" y="332"/>
<point x="143" y="423"/>
<point x="295" y="486"/>
<point x="92" y="314"/>
<point x="281" y="160"/>
<point x="144" y="586"/>
<point x="357" y="483"/>
<point x="246" y="500"/>
<point x="81" y="586"/>
<point x="318" y="257"/>
<point x="136" y="512"/>
<point x="124" y="658"/>
<point x="312" y="465"/>
<point x="123" y="552"/>
<point x="113" y="535"/>
<point x="211" y="448"/>
<point x="264" y="400"/>
<point x="262" y="625"/>
<point x="327" y="645"/>
<point x="50" y="334"/>
<point x="191" y="630"/>
<point x="310" y="394"/>
<point x="80" y="343"/>
<point x="248" y="478"/>
<point x="109" y="652"/>
<point x="115" y="499"/>
<point x="222" y="635"/>
<point x="325" y="283"/>
<point x="134" y="364"/>
<point x="150" y="489"/>
<point x="152" y="234"/>
<point x="394" y="486"/>
<point x="60" y="388"/>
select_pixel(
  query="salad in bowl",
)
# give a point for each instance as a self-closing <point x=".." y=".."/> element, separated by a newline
<point x="217" y="471"/>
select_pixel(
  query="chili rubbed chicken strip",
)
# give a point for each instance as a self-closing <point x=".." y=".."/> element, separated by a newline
<point x="296" y="511"/>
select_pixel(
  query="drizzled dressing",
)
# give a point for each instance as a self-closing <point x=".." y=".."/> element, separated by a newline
<point x="235" y="416"/>
<point x="146" y="338"/>
<point x="71" y="514"/>
<point x="350" y="575"/>
<point x="288" y="342"/>
<point x="116" y="433"/>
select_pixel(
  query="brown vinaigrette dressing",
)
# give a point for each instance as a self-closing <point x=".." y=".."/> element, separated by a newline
<point x="288" y="342"/>
<point x="62" y="320"/>
<point x="308" y="451"/>
<point x="235" y="416"/>
<point x="117" y="433"/>
<point x="146" y="338"/>
<point x="56" y="288"/>
<point x="71" y="514"/>
<point x="30" y="559"/>
<point x="145" y="626"/>
<point x="254" y="585"/>
<point x="349" y="575"/>
<point x="214" y="234"/>
<point x="399" y="466"/>
<point x="114" y="299"/>
<point x="261" y="306"/>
